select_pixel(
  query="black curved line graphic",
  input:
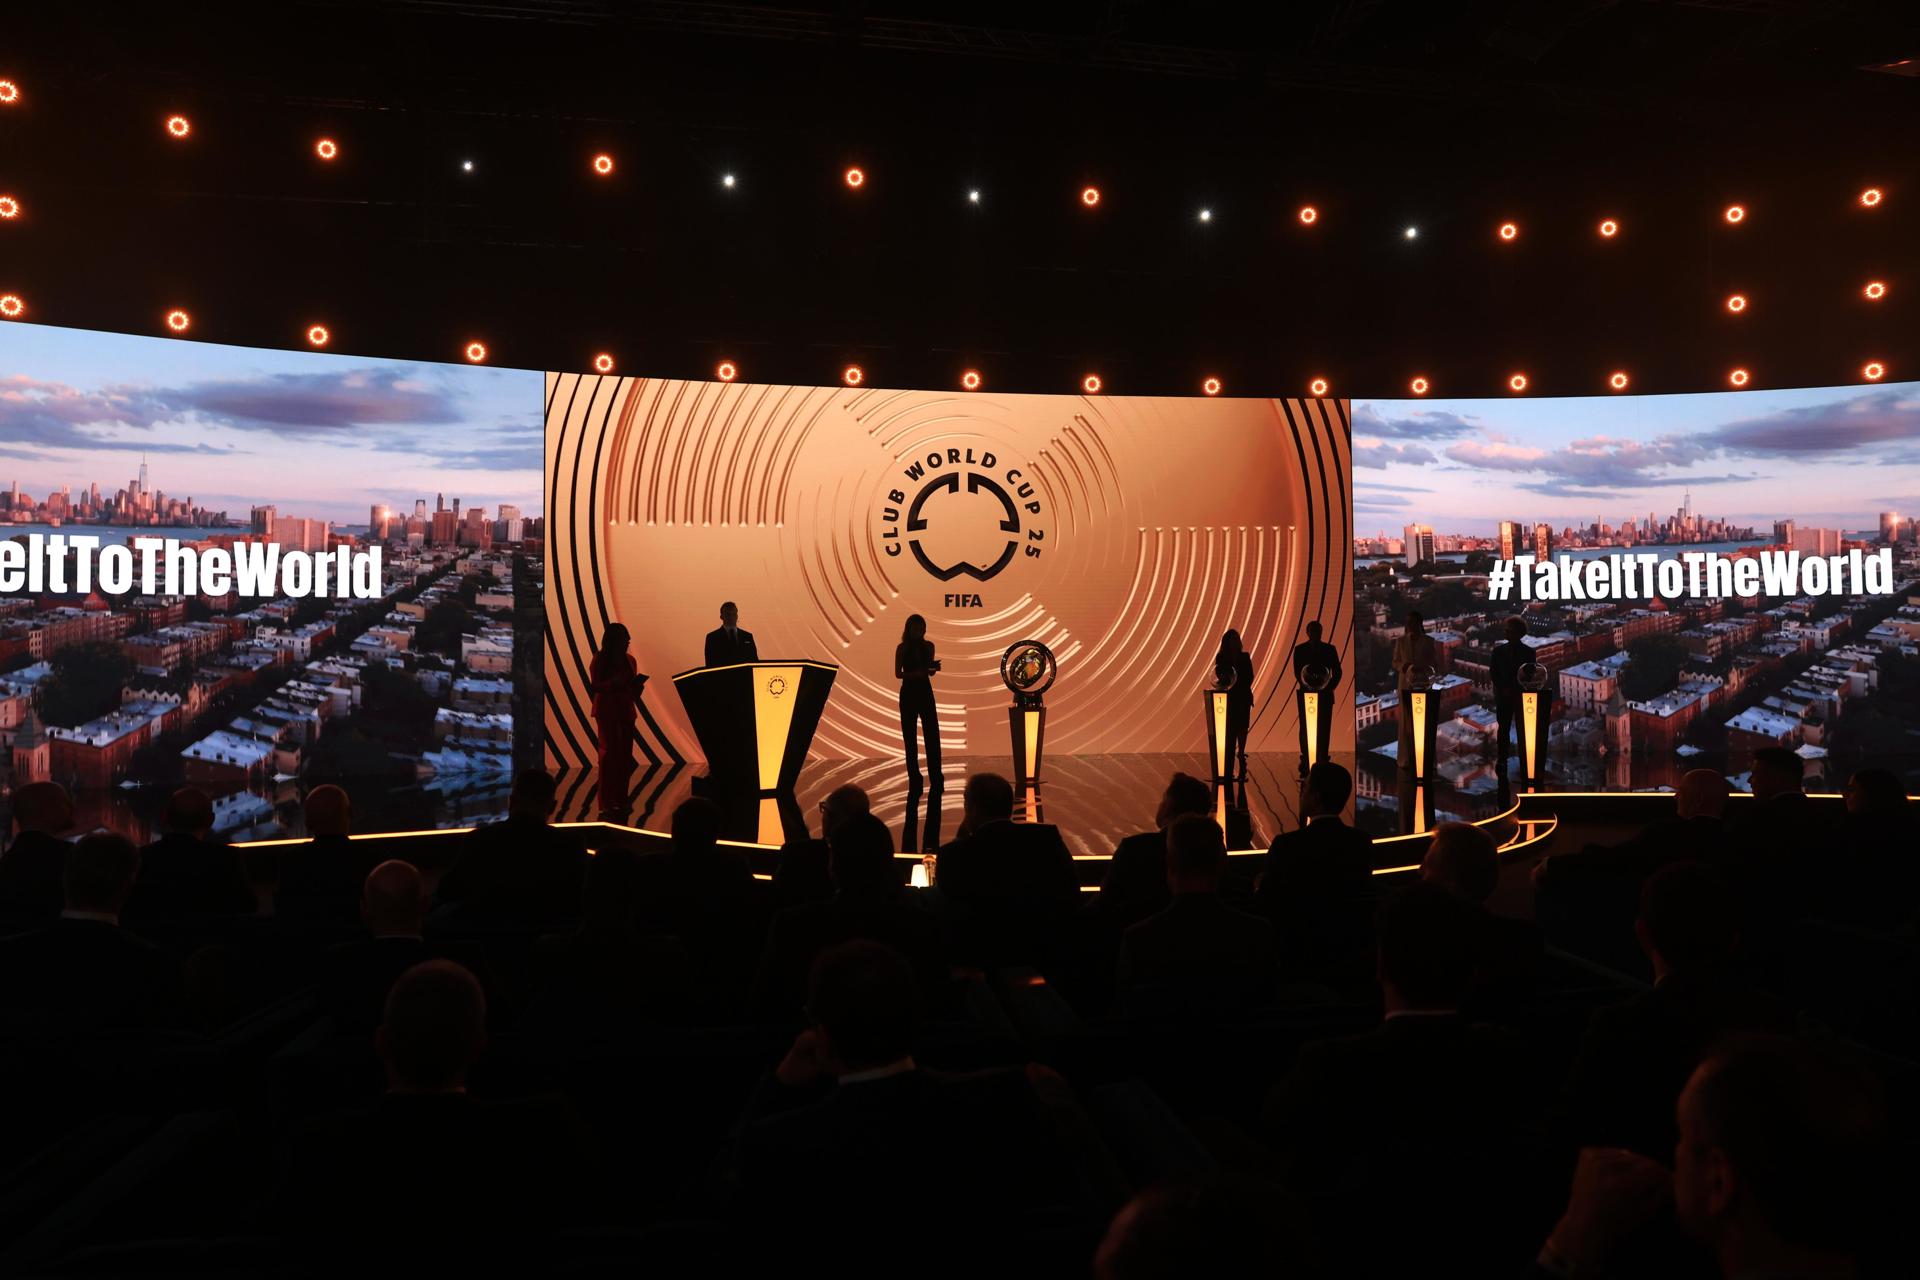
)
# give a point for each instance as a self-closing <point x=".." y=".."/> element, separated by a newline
<point x="975" y="483"/>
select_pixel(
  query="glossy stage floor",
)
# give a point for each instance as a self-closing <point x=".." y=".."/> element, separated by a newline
<point x="1095" y="800"/>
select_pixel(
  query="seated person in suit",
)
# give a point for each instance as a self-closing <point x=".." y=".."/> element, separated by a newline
<point x="356" y="976"/>
<point x="32" y="868"/>
<point x="83" y="973"/>
<point x="183" y="875"/>
<point x="1697" y="829"/>
<point x="1877" y="884"/>
<point x="320" y="880"/>
<point x="852" y="1141"/>
<point x="1135" y="885"/>
<point x="1014" y="883"/>
<point x="1430" y="1113"/>
<point x="727" y="643"/>
<point x="801" y="875"/>
<point x="468" y="1172"/>
<point x="1780" y="1169"/>
<point x="520" y="873"/>
<point x="702" y="893"/>
<point x="1198" y="955"/>
<point x="1318" y="884"/>
<point x="1637" y="1055"/>
<point x="606" y="974"/>
<point x="866" y="904"/>
<point x="1506" y="972"/>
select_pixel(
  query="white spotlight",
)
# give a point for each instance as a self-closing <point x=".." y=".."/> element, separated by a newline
<point x="466" y="166"/>
<point x="1206" y="215"/>
<point x="973" y="197"/>
<point x="726" y="181"/>
<point x="1412" y="233"/>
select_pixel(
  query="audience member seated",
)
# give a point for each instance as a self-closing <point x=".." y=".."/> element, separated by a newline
<point x="1637" y="1055"/>
<point x="521" y="873"/>
<point x="1778" y="844"/>
<point x="1229" y="1225"/>
<point x="83" y="973"/>
<point x="1198" y="955"/>
<point x="355" y="977"/>
<point x="184" y="877"/>
<point x="321" y="878"/>
<point x="1014" y="883"/>
<point x="801" y="875"/>
<point x="1318" y="883"/>
<point x="1430" y="1114"/>
<point x="1506" y="973"/>
<point x="430" y="1169"/>
<point x="1778" y="1168"/>
<point x="607" y="976"/>
<point x="866" y="904"/>
<point x="851" y="1142"/>
<point x="1697" y="830"/>
<point x="1878" y="881"/>
<point x="702" y="893"/>
<point x="34" y="865"/>
<point x="1135" y="885"/>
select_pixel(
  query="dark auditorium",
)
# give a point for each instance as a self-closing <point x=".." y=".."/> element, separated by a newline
<point x="1101" y="641"/>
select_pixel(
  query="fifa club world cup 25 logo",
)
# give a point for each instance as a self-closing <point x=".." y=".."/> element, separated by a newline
<point x="963" y="516"/>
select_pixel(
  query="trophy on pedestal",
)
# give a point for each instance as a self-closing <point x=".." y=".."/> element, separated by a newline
<point x="1422" y="720"/>
<point x="1028" y="669"/>
<point x="1536" y="698"/>
<point x="1214" y="697"/>
<point x="1315" y="714"/>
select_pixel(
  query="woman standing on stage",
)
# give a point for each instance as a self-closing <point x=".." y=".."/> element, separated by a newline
<point x="615" y="680"/>
<point x="914" y="664"/>
<point x="1233" y="657"/>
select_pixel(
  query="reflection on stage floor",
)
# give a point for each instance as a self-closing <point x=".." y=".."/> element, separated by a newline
<point x="1095" y="800"/>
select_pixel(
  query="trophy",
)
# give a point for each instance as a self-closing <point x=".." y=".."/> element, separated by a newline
<point x="1028" y="669"/>
<point x="1316" y="724"/>
<point x="1423" y="724"/>
<point x="1536" y="697"/>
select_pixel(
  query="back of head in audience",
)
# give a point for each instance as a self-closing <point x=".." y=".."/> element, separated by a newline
<point x="1184" y="794"/>
<point x="843" y="804"/>
<point x="1463" y="858"/>
<point x="434" y="1028"/>
<point x="1702" y="794"/>
<point x="189" y="812"/>
<point x="43" y="806"/>
<point x="1427" y="948"/>
<point x="1196" y="854"/>
<point x="534" y="794"/>
<point x="1328" y="786"/>
<point x="865" y="1005"/>
<point x="1689" y="920"/>
<point x="612" y="890"/>
<point x="1776" y="771"/>
<point x="860" y="859"/>
<point x="1780" y="1156"/>
<point x="696" y="826"/>
<point x="1229" y="1225"/>
<point x="393" y="901"/>
<point x="1877" y="793"/>
<point x="329" y="812"/>
<point x="988" y="798"/>
<point x="99" y="873"/>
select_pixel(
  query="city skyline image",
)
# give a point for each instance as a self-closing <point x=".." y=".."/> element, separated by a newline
<point x="1827" y="456"/>
<point x="323" y="437"/>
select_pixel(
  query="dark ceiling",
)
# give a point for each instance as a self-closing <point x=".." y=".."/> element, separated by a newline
<point x="1450" y="116"/>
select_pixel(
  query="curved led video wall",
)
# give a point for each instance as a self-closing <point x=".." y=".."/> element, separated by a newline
<point x="1125" y="534"/>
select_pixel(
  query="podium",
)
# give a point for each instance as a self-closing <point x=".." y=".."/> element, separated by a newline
<point x="1219" y="746"/>
<point x="755" y="720"/>
<point x="1535" y="718"/>
<point x="1316" y="721"/>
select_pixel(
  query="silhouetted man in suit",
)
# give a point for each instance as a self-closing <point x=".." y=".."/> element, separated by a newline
<point x="1777" y="846"/>
<point x="852" y="1141"/>
<point x="1506" y="972"/>
<point x="1638" y="1054"/>
<point x="1318" y="883"/>
<point x="33" y="867"/>
<point x="727" y="643"/>
<point x="356" y="976"/>
<point x="1198" y="955"/>
<point x="84" y="973"/>
<point x="469" y="1173"/>
<point x="1135" y="885"/>
<point x="183" y="876"/>
<point x="1696" y="829"/>
<point x="866" y="904"/>
<point x="1315" y="652"/>
<point x="520" y="873"/>
<point x="1503" y="668"/>
<point x="703" y="893"/>
<point x="1430" y="1113"/>
<point x="320" y="880"/>
<point x="1014" y="882"/>
<point x="801" y="876"/>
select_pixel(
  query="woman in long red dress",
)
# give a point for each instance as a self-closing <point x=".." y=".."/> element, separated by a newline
<point x="616" y="681"/>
